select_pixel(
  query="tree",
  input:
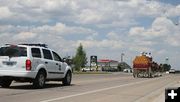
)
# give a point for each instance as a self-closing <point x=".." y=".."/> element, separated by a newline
<point x="166" y="67"/>
<point x="80" y="59"/>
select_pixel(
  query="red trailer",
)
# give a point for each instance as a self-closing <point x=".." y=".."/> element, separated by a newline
<point x="144" y="66"/>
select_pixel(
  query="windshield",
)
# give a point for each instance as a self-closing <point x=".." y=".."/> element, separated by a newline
<point x="14" y="51"/>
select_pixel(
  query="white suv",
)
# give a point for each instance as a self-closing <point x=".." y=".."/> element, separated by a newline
<point x="32" y="63"/>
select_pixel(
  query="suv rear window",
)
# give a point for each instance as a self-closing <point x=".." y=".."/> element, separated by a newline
<point x="36" y="52"/>
<point x="13" y="51"/>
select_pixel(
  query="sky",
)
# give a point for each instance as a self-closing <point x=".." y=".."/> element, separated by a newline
<point x="105" y="28"/>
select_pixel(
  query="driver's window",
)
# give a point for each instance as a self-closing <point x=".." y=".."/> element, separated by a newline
<point x="56" y="56"/>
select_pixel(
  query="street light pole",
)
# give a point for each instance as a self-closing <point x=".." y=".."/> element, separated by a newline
<point x="167" y="60"/>
<point x="122" y="54"/>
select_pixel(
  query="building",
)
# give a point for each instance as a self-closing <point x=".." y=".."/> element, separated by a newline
<point x="107" y="65"/>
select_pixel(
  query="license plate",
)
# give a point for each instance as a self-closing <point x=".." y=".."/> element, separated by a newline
<point x="9" y="63"/>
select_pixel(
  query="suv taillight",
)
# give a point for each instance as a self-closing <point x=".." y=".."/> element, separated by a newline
<point x="28" y="64"/>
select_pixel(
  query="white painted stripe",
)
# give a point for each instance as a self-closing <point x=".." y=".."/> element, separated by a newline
<point x="99" y="90"/>
<point x="160" y="90"/>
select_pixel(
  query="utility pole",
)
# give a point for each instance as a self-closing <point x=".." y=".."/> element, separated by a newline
<point x="167" y="60"/>
<point x="122" y="54"/>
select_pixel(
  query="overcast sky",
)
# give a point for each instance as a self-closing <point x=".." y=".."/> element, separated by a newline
<point x="105" y="28"/>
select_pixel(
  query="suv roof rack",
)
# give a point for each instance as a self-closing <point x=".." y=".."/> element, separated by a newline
<point x="41" y="45"/>
<point x="10" y="44"/>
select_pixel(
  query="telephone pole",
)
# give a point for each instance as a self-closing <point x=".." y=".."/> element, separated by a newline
<point x="122" y="54"/>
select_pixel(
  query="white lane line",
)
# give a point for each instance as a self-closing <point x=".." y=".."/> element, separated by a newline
<point x="99" y="90"/>
<point x="159" y="91"/>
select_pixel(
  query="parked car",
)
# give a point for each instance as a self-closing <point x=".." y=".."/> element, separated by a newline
<point x="127" y="70"/>
<point x="34" y="63"/>
<point x="85" y="69"/>
<point x="172" y="71"/>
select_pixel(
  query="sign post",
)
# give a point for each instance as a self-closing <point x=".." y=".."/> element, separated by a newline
<point x="93" y="62"/>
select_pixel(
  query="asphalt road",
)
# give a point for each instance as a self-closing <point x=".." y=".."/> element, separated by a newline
<point x="116" y="87"/>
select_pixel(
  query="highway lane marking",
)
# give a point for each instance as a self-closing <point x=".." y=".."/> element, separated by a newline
<point x="159" y="91"/>
<point x="98" y="90"/>
<point x="102" y="80"/>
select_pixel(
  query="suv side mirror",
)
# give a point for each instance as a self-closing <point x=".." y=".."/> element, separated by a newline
<point x="64" y="60"/>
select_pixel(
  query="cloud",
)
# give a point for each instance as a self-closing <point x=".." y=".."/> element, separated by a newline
<point x="57" y="29"/>
<point x="101" y="44"/>
<point x="53" y="35"/>
<point x="24" y="36"/>
<point x="152" y="8"/>
<point x="80" y="12"/>
<point x="113" y="36"/>
<point x="104" y="27"/>
<point x="173" y="11"/>
<point x="161" y="37"/>
<point x="161" y="27"/>
<point x="136" y="31"/>
<point x="63" y="29"/>
<point x="103" y="13"/>
<point x="5" y="13"/>
<point x="88" y="16"/>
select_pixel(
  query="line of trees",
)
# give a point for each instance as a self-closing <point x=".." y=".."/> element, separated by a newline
<point x="165" y="67"/>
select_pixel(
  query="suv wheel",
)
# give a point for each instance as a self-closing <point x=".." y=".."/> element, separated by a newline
<point x="39" y="81"/>
<point x="5" y="83"/>
<point x="67" y="80"/>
